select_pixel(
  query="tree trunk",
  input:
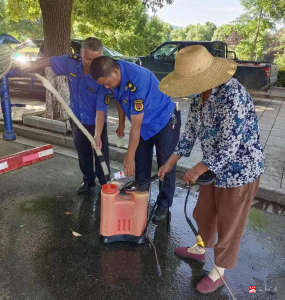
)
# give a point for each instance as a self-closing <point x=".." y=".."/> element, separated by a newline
<point x="256" y="35"/>
<point x="57" y="27"/>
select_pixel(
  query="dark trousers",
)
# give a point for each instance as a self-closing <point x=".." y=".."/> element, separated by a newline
<point x="85" y="153"/>
<point x="165" y="142"/>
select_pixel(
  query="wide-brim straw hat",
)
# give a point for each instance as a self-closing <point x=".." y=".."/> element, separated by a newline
<point x="196" y="71"/>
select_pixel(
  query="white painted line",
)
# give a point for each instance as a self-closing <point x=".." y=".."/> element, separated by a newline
<point x="46" y="152"/>
<point x="4" y="165"/>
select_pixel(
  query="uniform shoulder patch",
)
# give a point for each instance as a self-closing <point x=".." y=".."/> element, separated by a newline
<point x="90" y="89"/>
<point x="130" y="86"/>
<point x="74" y="56"/>
<point x="139" y="105"/>
<point x="107" y="99"/>
<point x="72" y="74"/>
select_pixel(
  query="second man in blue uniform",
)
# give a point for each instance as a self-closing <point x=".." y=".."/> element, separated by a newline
<point x="155" y="120"/>
<point x="87" y="101"/>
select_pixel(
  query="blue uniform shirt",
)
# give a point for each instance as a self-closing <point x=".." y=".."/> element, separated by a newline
<point x="86" y="95"/>
<point x="139" y="93"/>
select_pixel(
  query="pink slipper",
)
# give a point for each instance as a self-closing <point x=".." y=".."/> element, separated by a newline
<point x="182" y="252"/>
<point x="207" y="285"/>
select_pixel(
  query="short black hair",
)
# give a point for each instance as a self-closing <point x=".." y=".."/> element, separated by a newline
<point x="102" y="66"/>
<point x="92" y="44"/>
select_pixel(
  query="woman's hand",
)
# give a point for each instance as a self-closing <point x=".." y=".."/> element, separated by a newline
<point x="192" y="175"/>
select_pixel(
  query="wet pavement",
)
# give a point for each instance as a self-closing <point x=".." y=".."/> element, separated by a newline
<point x="41" y="259"/>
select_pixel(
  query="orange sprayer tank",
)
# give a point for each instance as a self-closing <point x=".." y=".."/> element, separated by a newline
<point x="123" y="216"/>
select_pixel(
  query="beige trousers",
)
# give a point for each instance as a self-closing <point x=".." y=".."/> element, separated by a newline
<point x="224" y="211"/>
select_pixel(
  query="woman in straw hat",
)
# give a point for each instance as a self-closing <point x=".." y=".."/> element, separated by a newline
<point x="223" y="117"/>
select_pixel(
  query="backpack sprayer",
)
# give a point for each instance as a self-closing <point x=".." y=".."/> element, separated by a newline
<point x="130" y="206"/>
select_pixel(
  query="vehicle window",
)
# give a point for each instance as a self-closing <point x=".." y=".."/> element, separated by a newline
<point x="218" y="53"/>
<point x="167" y="51"/>
<point x="218" y="50"/>
<point x="231" y="55"/>
<point x="75" y="47"/>
<point x="112" y="52"/>
<point x="106" y="53"/>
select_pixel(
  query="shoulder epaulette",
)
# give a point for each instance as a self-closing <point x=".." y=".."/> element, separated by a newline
<point x="131" y="87"/>
<point x="75" y="56"/>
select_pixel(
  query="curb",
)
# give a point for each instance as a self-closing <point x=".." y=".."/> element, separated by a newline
<point x="266" y="193"/>
<point x="277" y="94"/>
<point x="44" y="123"/>
<point x="278" y="98"/>
<point x="271" y="194"/>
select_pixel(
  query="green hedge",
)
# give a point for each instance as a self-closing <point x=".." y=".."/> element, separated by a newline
<point x="281" y="79"/>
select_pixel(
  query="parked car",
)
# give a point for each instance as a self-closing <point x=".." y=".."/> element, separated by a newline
<point x="255" y="75"/>
<point x="33" y="51"/>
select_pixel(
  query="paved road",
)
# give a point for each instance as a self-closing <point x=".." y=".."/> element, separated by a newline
<point x="41" y="260"/>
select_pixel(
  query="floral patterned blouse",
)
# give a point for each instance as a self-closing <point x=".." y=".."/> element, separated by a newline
<point x="227" y="127"/>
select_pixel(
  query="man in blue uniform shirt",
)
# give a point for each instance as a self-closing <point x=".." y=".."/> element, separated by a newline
<point x="154" y="118"/>
<point x="87" y="101"/>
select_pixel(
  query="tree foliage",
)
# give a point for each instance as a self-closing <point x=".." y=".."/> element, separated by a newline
<point x="23" y="9"/>
<point x="254" y="28"/>
<point x="200" y="32"/>
<point x="255" y="36"/>
<point x="277" y="50"/>
<point x="178" y="35"/>
<point x="156" y="4"/>
<point x="194" y="32"/>
<point x="223" y="32"/>
<point x="275" y="9"/>
<point x="141" y="34"/>
<point x="21" y="29"/>
<point x="121" y="24"/>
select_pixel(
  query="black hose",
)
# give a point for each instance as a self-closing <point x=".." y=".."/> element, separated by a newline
<point x="185" y="212"/>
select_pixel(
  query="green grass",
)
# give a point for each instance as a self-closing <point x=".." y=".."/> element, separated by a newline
<point x="39" y="204"/>
<point x="256" y="219"/>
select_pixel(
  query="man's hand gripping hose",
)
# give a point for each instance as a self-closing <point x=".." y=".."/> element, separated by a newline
<point x="48" y="86"/>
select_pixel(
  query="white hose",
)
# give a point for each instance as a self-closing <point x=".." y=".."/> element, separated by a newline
<point x="6" y="53"/>
<point x="48" y="86"/>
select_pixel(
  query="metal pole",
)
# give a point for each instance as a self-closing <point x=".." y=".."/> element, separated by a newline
<point x="9" y="134"/>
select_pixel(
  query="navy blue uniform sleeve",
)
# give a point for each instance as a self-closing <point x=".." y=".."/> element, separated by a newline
<point x="59" y="64"/>
<point x="103" y="99"/>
